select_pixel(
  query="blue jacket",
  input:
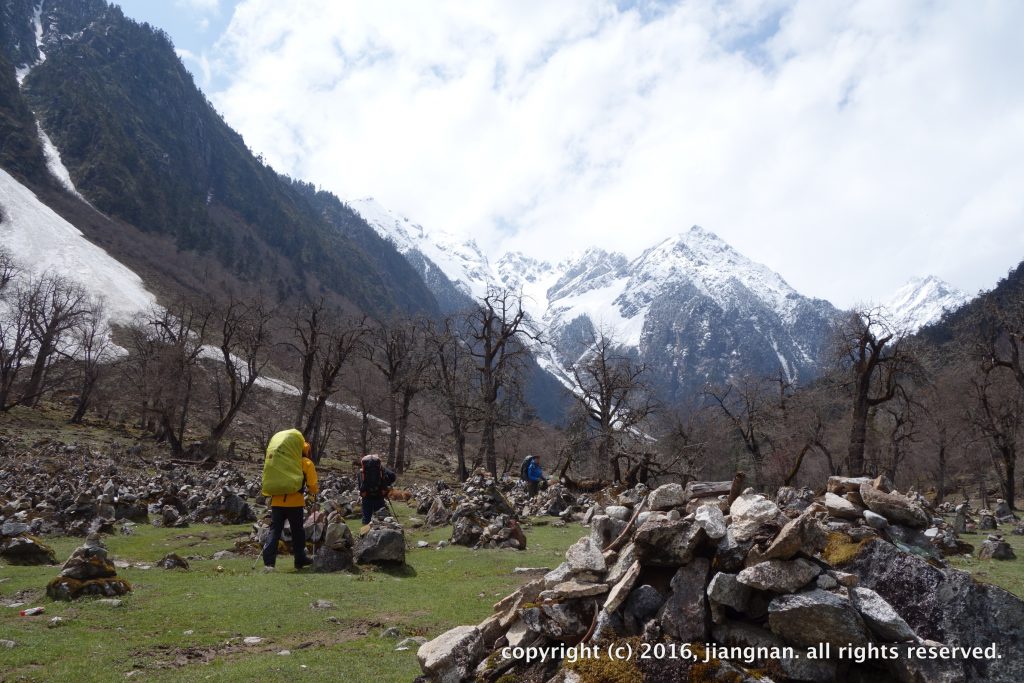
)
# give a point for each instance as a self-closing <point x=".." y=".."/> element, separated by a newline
<point x="533" y="472"/>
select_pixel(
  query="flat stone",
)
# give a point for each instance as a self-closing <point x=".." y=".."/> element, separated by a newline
<point x="894" y="507"/>
<point x="816" y="616"/>
<point x="880" y="616"/>
<point x="841" y="507"/>
<point x="779" y="576"/>
<point x="252" y="640"/>
<point x="570" y="590"/>
<point x="622" y="588"/>
<point x="625" y="560"/>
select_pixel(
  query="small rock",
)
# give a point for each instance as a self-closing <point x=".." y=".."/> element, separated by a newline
<point x="8" y="644"/>
<point x="392" y="632"/>
<point x="252" y="640"/>
<point x="323" y="604"/>
<point x="284" y="653"/>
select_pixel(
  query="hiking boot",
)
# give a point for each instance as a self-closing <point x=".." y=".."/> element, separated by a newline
<point x="303" y="562"/>
<point x="268" y="568"/>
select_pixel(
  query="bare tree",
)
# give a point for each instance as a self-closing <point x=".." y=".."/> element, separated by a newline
<point x="496" y="340"/>
<point x="746" y="403"/>
<point x="164" y="361"/>
<point x="874" y="355"/>
<point x="244" y="347"/>
<point x="452" y="380"/>
<point x="998" y="415"/>
<point x="15" y="339"/>
<point x="56" y="307"/>
<point x="92" y="350"/>
<point x="397" y="349"/>
<point x="614" y="395"/>
<point x="364" y="384"/>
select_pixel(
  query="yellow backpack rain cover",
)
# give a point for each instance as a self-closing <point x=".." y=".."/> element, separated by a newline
<point x="282" y="468"/>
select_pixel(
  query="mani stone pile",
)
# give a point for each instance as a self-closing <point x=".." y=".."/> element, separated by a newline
<point x="88" y="572"/>
<point x="751" y="583"/>
<point x="485" y="513"/>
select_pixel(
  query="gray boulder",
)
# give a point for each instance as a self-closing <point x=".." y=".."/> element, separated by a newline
<point x="948" y="606"/>
<point x="380" y="546"/>
<point x="684" y="616"/>
<point x="996" y="548"/>
<point x="880" y="617"/>
<point x="666" y="543"/>
<point x="666" y="497"/>
<point x="751" y="512"/>
<point x="816" y="616"/>
<point x="452" y="656"/>
<point x="642" y="604"/>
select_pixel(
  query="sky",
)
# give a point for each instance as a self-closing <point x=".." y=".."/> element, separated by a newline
<point x="848" y="146"/>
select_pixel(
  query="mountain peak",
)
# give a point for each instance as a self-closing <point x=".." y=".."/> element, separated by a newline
<point x="923" y="301"/>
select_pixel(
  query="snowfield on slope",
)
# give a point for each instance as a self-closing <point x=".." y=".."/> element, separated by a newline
<point x="41" y="241"/>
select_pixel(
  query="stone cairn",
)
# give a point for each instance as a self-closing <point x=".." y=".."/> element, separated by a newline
<point x="487" y="513"/>
<point x="751" y="584"/>
<point x="88" y="572"/>
<point x="18" y="547"/>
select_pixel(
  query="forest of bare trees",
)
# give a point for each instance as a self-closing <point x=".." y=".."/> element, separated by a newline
<point x="198" y="375"/>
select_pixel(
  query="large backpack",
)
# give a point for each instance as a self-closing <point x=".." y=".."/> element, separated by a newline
<point x="524" y="468"/>
<point x="375" y="479"/>
<point x="282" y="467"/>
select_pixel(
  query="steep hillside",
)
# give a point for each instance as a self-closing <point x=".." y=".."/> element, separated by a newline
<point x="143" y="145"/>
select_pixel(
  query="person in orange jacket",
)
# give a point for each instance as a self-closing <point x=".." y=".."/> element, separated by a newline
<point x="289" y="507"/>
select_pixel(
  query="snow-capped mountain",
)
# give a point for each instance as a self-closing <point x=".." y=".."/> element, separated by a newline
<point x="923" y="301"/>
<point x="691" y="307"/>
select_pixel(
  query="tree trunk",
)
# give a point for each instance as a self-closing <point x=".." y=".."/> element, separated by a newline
<point x="858" y="435"/>
<point x="392" y="430"/>
<point x="940" y="496"/>
<point x="403" y="423"/>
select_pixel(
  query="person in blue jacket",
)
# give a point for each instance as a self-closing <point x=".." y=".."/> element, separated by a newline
<point x="534" y="475"/>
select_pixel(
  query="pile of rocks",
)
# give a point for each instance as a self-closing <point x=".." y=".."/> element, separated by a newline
<point x="88" y="572"/>
<point x="18" y="547"/>
<point x="753" y="585"/>
<point x="335" y="552"/>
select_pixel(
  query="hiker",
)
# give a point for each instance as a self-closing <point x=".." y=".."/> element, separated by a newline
<point x="375" y="481"/>
<point x="288" y="468"/>
<point x="531" y="472"/>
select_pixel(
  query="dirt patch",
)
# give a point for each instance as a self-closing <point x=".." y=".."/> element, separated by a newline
<point x="174" y="657"/>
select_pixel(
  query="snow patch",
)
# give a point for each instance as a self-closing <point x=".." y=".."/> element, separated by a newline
<point x="56" y="165"/>
<point x="43" y="241"/>
<point x="922" y="301"/>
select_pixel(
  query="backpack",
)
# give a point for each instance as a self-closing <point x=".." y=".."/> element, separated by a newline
<point x="282" y="467"/>
<point x="375" y="479"/>
<point x="524" y="469"/>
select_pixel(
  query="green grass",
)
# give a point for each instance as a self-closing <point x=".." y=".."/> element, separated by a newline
<point x="437" y="589"/>
<point x="1008" y="574"/>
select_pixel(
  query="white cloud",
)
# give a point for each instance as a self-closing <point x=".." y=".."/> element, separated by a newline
<point x="207" y="6"/>
<point x="846" y="146"/>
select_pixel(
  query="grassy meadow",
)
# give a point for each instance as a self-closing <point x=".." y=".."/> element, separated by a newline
<point x="188" y="625"/>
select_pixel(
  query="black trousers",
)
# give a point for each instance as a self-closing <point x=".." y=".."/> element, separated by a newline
<point x="278" y="516"/>
<point x="370" y="505"/>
